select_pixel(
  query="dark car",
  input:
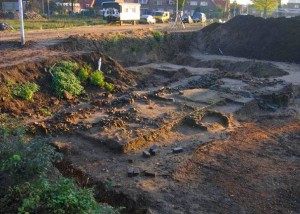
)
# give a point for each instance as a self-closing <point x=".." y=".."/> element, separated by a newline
<point x="187" y="19"/>
<point x="199" y="17"/>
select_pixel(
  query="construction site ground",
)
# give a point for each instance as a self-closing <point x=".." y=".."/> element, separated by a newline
<point x="235" y="122"/>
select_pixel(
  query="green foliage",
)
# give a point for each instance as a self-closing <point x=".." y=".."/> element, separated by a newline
<point x="265" y="5"/>
<point x="109" y="87"/>
<point x="62" y="197"/>
<point x="46" y="112"/>
<point x="55" y="22"/>
<point x="22" y="158"/>
<point x="84" y="73"/>
<point x="25" y="91"/>
<point x="181" y="4"/>
<point x="97" y="78"/>
<point x="157" y="35"/>
<point x="64" y="79"/>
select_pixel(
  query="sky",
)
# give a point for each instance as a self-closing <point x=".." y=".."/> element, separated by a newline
<point x="245" y="2"/>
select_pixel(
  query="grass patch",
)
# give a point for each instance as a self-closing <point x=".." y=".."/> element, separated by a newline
<point x="54" y="23"/>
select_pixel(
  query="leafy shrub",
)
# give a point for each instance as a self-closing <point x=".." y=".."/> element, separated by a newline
<point x="65" y="80"/>
<point x="25" y="91"/>
<point x="84" y="73"/>
<point x="157" y="35"/>
<point x="97" y="78"/>
<point x="22" y="158"/>
<point x="61" y="197"/>
<point x="109" y="87"/>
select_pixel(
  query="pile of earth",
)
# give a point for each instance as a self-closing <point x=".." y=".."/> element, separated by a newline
<point x="37" y="72"/>
<point x="31" y="15"/>
<point x="252" y="37"/>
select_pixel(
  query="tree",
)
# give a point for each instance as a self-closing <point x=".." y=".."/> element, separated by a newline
<point x="181" y="4"/>
<point x="265" y="5"/>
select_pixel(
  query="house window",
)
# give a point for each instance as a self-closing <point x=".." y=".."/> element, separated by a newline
<point x="193" y="3"/>
<point x="296" y="6"/>
<point x="133" y="10"/>
<point x="143" y="1"/>
<point x="203" y="3"/>
<point x="171" y="2"/>
<point x="158" y="2"/>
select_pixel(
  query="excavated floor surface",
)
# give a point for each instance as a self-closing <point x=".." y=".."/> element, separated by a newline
<point x="236" y="121"/>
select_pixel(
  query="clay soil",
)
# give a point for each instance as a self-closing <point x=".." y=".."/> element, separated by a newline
<point x="236" y="120"/>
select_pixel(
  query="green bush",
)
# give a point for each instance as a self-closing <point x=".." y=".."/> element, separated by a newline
<point x="64" y="79"/>
<point x="61" y="197"/>
<point x="84" y="73"/>
<point x="25" y="91"/>
<point x="109" y="87"/>
<point x="20" y="157"/>
<point x="97" y="78"/>
<point x="157" y="35"/>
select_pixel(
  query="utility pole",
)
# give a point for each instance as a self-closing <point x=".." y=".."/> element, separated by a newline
<point x="21" y="22"/>
<point x="43" y="7"/>
<point x="48" y="6"/>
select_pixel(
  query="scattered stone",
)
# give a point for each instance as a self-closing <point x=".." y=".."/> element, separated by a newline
<point x="150" y="174"/>
<point x="177" y="150"/>
<point x="146" y="154"/>
<point x="130" y="172"/>
<point x="154" y="149"/>
<point x="136" y="172"/>
<point x="130" y="160"/>
<point x="67" y="95"/>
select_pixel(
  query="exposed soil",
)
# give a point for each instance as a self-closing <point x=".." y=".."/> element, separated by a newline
<point x="236" y="121"/>
<point x="253" y="37"/>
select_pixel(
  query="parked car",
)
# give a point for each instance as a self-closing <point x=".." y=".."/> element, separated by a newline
<point x="147" y="19"/>
<point x="162" y="16"/>
<point x="199" y="17"/>
<point x="187" y="19"/>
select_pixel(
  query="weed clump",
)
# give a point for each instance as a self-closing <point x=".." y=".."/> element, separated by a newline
<point x="25" y="91"/>
<point x="64" y="79"/>
<point x="157" y="36"/>
<point x="97" y="78"/>
<point x="84" y="73"/>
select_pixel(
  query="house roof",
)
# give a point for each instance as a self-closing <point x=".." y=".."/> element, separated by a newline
<point x="85" y="2"/>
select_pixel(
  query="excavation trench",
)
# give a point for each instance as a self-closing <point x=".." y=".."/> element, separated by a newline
<point x="183" y="101"/>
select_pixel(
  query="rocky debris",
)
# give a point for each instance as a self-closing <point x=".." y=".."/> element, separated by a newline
<point x="205" y="81"/>
<point x="5" y="27"/>
<point x="32" y="15"/>
<point x="132" y="172"/>
<point x="270" y="39"/>
<point x="177" y="150"/>
<point x="146" y="154"/>
<point x="154" y="150"/>
<point x="67" y="95"/>
<point x="149" y="174"/>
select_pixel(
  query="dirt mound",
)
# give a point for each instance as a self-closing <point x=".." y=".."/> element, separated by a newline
<point x="15" y="15"/>
<point x="252" y="37"/>
<point x="37" y="72"/>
